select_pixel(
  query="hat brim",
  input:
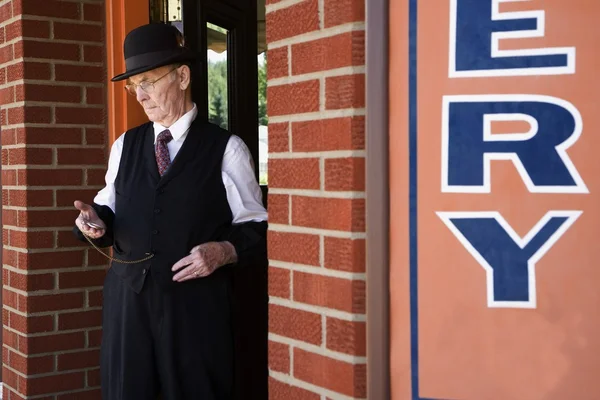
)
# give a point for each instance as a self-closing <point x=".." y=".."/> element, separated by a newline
<point x="186" y="56"/>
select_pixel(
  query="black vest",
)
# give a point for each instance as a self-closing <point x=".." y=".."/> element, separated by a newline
<point x="168" y="216"/>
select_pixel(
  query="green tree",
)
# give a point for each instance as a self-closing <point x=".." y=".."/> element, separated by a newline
<point x="263" y="119"/>
<point x="217" y="93"/>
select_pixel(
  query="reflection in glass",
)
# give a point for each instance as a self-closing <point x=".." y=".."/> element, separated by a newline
<point x="263" y="120"/>
<point x="167" y="11"/>
<point x="217" y="75"/>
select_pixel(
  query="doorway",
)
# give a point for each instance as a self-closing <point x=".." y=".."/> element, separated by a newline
<point x="229" y="88"/>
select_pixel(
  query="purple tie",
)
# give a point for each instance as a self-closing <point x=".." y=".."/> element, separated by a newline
<point x="162" y="151"/>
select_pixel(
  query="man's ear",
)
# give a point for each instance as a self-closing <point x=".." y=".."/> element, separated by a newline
<point x="184" y="77"/>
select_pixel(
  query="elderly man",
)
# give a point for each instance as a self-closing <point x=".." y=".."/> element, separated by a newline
<point x="181" y="209"/>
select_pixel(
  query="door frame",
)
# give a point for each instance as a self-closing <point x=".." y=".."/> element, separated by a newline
<point x="378" y="203"/>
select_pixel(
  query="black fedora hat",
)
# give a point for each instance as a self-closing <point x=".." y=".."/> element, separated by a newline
<point x="152" y="46"/>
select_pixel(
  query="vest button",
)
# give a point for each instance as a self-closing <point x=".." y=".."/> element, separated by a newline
<point x="144" y="271"/>
<point x="156" y="210"/>
<point x="155" y="232"/>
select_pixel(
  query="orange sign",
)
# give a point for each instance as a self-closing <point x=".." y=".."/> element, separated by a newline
<point x="495" y="212"/>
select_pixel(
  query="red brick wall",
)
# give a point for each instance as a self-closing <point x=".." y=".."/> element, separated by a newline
<point x="316" y="99"/>
<point x="52" y="101"/>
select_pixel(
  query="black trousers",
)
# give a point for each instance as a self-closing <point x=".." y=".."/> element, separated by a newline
<point x="174" y="343"/>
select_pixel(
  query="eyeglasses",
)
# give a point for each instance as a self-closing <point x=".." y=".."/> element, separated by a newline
<point x="146" y="86"/>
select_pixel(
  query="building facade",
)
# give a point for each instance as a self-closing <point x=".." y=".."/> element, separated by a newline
<point x="430" y="188"/>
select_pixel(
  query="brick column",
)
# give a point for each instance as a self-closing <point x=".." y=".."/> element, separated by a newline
<point x="316" y="98"/>
<point x="53" y="152"/>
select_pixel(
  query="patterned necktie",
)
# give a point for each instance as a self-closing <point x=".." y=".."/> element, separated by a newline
<point x="163" y="160"/>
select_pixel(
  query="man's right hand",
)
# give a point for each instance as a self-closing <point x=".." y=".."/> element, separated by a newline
<point x="87" y="214"/>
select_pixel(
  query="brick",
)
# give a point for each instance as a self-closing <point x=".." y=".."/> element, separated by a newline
<point x="349" y="337"/>
<point x="56" y="177"/>
<point x="7" y="95"/>
<point x="94" y="95"/>
<point x="92" y="394"/>
<point x="67" y="239"/>
<point x="11" y="339"/>
<point x="79" y="319"/>
<point x="52" y="343"/>
<point x="277" y="61"/>
<point x="279" y="357"/>
<point x="81" y="116"/>
<point x="31" y="240"/>
<point x="11" y="379"/>
<point x="345" y="174"/>
<point x="6" y="12"/>
<point x="78" y="156"/>
<point x="337" y="12"/>
<point x="329" y="213"/>
<point x="92" y="53"/>
<point x="279" y="137"/>
<point x="66" y="197"/>
<point x="2" y="76"/>
<point x="93" y="12"/>
<point x="71" y="280"/>
<point x="335" y="375"/>
<point x="294" y="98"/>
<point x="79" y="73"/>
<point x="52" y="93"/>
<point x="4" y="157"/>
<point x="279" y="282"/>
<point x="295" y="324"/>
<point x="50" y="218"/>
<point x="52" y="302"/>
<point x="345" y="92"/>
<point x="28" y="28"/>
<point x="294" y="173"/>
<point x="94" y="338"/>
<point x="325" y="291"/>
<point x="31" y="324"/>
<point x="29" y="114"/>
<point x="31" y="365"/>
<point x="294" y="247"/>
<point x="94" y="298"/>
<point x="345" y="254"/>
<point x="31" y="282"/>
<point x="78" y="360"/>
<point x="329" y="134"/>
<point x="10" y="298"/>
<point x="53" y="383"/>
<point x="49" y="135"/>
<point x="282" y="391"/>
<point x="95" y="136"/>
<point x="3" y="117"/>
<point x="2" y="35"/>
<point x="344" y="50"/>
<point x="279" y="209"/>
<point x="50" y="50"/>
<point x="9" y="136"/>
<point x="78" y="32"/>
<point x="10" y="258"/>
<point x="292" y="21"/>
<point x="47" y="8"/>
<point x="10" y="217"/>
<point x="51" y="260"/>
<point x="95" y="176"/>
<point x="6" y="54"/>
<point x="30" y="156"/>
<point x="28" y="70"/>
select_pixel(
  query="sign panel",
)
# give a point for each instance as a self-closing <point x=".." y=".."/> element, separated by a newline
<point x="494" y="182"/>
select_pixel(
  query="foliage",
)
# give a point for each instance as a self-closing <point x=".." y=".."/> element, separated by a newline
<point x="217" y="93"/>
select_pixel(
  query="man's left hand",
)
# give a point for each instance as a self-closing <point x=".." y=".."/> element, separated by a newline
<point x="203" y="260"/>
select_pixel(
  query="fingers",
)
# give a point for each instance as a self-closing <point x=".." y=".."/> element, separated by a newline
<point x="81" y="206"/>
<point x="191" y="272"/>
<point x="185" y="261"/>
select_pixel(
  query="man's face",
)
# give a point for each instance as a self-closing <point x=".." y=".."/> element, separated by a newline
<point x="164" y="102"/>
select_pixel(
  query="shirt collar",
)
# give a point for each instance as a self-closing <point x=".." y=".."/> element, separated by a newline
<point x="180" y="126"/>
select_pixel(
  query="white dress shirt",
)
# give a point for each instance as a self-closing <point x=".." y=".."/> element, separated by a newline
<point x="237" y="170"/>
